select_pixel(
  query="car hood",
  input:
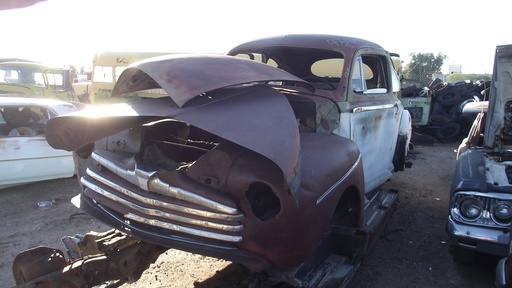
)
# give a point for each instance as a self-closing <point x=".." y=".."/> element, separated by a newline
<point x="257" y="116"/>
<point x="499" y="113"/>
<point x="184" y="77"/>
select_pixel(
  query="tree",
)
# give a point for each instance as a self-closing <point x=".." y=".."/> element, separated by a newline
<point x="423" y="66"/>
<point x="455" y="77"/>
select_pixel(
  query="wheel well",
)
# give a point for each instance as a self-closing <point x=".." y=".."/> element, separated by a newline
<point x="349" y="209"/>
<point x="346" y="219"/>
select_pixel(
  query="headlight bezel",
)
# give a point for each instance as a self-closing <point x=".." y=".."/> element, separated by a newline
<point x="507" y="220"/>
<point x="473" y="202"/>
<point x="488" y="214"/>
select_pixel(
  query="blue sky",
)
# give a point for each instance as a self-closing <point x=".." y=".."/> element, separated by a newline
<point x="71" y="31"/>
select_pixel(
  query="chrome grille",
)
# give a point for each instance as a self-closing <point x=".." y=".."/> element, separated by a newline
<point x="146" y="199"/>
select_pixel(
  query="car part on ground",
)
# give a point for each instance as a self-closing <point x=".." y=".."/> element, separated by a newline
<point x="93" y="259"/>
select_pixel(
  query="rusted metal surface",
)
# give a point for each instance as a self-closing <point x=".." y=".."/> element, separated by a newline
<point x="244" y="161"/>
<point x="260" y="119"/>
<point x="47" y="267"/>
<point x="310" y="48"/>
<point x="186" y="77"/>
<point x="369" y="116"/>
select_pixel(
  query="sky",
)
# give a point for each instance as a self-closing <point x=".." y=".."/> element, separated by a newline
<point x="63" y="32"/>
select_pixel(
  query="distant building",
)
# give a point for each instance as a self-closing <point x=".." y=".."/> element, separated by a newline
<point x="454" y="68"/>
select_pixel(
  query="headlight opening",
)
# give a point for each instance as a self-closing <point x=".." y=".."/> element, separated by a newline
<point x="470" y="208"/>
<point x="482" y="210"/>
<point x="501" y="213"/>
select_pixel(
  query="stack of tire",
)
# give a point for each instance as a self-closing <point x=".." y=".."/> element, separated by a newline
<point x="446" y="120"/>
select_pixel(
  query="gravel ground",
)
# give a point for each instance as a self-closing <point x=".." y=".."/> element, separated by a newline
<point x="412" y="252"/>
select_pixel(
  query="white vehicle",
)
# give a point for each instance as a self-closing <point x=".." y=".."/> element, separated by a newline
<point x="25" y="156"/>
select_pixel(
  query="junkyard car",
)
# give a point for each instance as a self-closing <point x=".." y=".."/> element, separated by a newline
<point x="261" y="163"/>
<point x="25" y="155"/>
<point x="33" y="79"/>
<point x="480" y="211"/>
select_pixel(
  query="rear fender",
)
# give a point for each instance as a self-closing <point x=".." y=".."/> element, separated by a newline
<point x="403" y="142"/>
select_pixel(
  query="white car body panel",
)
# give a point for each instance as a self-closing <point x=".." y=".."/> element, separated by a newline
<point x="28" y="159"/>
<point x="25" y="160"/>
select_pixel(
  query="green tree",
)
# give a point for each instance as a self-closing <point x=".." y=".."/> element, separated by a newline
<point x="423" y="66"/>
<point x="456" y="77"/>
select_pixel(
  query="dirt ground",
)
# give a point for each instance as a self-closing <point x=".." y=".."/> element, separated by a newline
<point x="412" y="252"/>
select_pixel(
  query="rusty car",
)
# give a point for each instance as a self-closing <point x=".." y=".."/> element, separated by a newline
<point x="480" y="210"/>
<point x="25" y="156"/>
<point x="272" y="156"/>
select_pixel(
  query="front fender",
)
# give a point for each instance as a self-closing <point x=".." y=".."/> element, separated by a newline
<point x="405" y="127"/>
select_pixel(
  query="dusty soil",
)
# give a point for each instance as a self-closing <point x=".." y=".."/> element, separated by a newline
<point x="412" y="252"/>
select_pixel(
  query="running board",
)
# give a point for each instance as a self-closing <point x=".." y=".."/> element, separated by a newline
<point x="334" y="265"/>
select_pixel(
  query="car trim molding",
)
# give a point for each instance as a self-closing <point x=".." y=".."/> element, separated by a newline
<point x="373" y="108"/>
<point x="326" y="193"/>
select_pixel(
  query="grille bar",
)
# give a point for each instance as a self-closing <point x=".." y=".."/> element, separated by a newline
<point x="147" y="180"/>
<point x="171" y="217"/>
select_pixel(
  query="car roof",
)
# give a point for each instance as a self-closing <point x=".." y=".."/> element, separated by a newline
<point x="31" y="64"/>
<point x="20" y="101"/>
<point x="337" y="43"/>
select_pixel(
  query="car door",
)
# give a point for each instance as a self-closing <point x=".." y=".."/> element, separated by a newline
<point x="25" y="156"/>
<point x="373" y="111"/>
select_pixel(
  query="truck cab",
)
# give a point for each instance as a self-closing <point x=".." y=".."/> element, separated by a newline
<point x="32" y="79"/>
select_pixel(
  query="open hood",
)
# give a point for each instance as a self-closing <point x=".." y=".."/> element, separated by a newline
<point x="499" y="113"/>
<point x="184" y="77"/>
<point x="257" y="117"/>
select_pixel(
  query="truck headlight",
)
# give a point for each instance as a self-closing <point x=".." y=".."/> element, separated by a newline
<point x="502" y="212"/>
<point x="470" y="208"/>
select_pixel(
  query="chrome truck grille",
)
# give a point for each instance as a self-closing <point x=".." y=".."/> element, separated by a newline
<point x="141" y="197"/>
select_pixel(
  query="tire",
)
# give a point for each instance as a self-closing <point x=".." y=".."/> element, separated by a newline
<point x="435" y="82"/>
<point x="463" y="86"/>
<point x="449" y="132"/>
<point x="448" y="98"/>
<point x="438" y="119"/>
<point x="463" y="255"/>
<point x="441" y="87"/>
<point x="400" y="154"/>
<point x="409" y="91"/>
<point x="459" y="106"/>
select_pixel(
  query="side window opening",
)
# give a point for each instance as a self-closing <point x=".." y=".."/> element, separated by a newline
<point x="102" y="74"/>
<point x="368" y="75"/>
<point x="9" y="76"/>
<point x="23" y="121"/>
<point x="55" y="80"/>
<point x="358" y="78"/>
